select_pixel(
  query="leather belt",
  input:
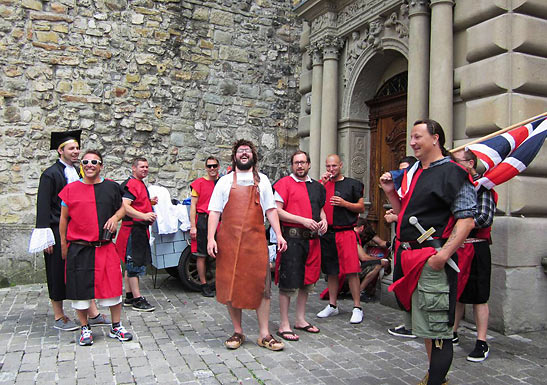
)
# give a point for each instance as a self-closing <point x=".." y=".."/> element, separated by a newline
<point x="435" y="243"/>
<point x="92" y="244"/>
<point x="299" y="233"/>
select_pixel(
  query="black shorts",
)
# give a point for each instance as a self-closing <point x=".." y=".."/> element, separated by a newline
<point x="55" y="270"/>
<point x="477" y="290"/>
<point x="292" y="265"/>
<point x="201" y="237"/>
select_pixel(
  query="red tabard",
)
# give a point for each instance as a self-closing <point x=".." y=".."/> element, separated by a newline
<point x="297" y="201"/>
<point x="412" y="262"/>
<point x="242" y="259"/>
<point x="91" y="272"/>
<point x="142" y="204"/>
<point x="204" y="188"/>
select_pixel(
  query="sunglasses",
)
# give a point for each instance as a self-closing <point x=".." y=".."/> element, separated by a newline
<point x="94" y="162"/>
<point x="211" y="165"/>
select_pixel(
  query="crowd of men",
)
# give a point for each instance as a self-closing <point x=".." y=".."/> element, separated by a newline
<point x="316" y="230"/>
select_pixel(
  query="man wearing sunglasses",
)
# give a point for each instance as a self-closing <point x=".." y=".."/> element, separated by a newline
<point x="45" y="236"/>
<point x="202" y="189"/>
<point x="132" y="243"/>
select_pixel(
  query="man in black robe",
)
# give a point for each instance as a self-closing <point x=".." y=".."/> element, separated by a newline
<point x="45" y="236"/>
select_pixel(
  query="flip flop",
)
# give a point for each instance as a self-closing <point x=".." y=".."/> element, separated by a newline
<point x="308" y="328"/>
<point x="288" y="333"/>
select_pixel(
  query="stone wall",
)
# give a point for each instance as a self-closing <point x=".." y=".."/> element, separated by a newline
<point x="172" y="80"/>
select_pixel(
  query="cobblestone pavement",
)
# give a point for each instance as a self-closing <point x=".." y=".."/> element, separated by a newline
<point x="182" y="342"/>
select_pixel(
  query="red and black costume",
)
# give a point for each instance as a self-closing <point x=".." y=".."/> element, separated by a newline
<point x="474" y="259"/>
<point x="430" y="199"/>
<point x="300" y="264"/>
<point x="339" y="244"/>
<point x="135" y="230"/>
<point x="92" y="266"/>
<point x="204" y="188"/>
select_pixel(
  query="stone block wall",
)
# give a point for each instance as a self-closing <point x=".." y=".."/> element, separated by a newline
<point x="172" y="80"/>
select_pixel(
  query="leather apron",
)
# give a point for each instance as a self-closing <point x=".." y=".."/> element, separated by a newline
<point x="242" y="259"/>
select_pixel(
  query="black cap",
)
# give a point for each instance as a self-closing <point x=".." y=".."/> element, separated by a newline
<point x="58" y="138"/>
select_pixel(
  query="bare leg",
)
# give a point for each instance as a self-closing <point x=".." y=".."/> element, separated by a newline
<point x="134" y="286"/>
<point x="200" y="264"/>
<point x="370" y="277"/>
<point x="127" y="285"/>
<point x="301" y="301"/>
<point x="92" y="312"/>
<point x="82" y="316"/>
<point x="353" y="282"/>
<point x="284" y="302"/>
<point x="460" y="308"/>
<point x="57" y="309"/>
<point x="332" y="283"/>
<point x="481" y="313"/>
<point x="116" y="312"/>
<point x="263" y="315"/>
<point x="235" y="315"/>
<point x="428" y="345"/>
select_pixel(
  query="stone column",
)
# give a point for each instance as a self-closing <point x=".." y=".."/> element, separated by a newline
<point x="329" y="103"/>
<point x="418" y="65"/>
<point x="441" y="106"/>
<point x="315" y="119"/>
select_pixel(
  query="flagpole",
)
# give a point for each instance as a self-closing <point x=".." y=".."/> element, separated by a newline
<point x="503" y="130"/>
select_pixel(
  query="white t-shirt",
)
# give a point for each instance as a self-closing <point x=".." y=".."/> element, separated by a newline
<point x="221" y="193"/>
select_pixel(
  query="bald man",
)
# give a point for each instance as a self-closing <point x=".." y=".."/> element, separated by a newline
<point x="344" y="203"/>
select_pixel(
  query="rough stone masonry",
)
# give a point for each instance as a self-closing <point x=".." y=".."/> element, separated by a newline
<point x="174" y="81"/>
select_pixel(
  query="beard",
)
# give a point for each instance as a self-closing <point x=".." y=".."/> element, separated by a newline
<point x="245" y="166"/>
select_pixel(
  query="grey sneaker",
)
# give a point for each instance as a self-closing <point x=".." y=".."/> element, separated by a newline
<point x="101" y="319"/>
<point x="65" y="324"/>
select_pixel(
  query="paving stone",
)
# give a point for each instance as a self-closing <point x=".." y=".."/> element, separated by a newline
<point x="182" y="342"/>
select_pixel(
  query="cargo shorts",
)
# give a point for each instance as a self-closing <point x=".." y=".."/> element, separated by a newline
<point x="430" y="305"/>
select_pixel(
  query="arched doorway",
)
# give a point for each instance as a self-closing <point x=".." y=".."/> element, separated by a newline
<point x="387" y="117"/>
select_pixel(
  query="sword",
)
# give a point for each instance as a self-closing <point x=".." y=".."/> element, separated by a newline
<point x="426" y="236"/>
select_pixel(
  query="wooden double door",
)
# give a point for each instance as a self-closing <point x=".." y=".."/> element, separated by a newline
<point x="388" y="145"/>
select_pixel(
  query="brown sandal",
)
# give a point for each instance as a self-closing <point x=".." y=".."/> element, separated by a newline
<point x="235" y="341"/>
<point x="270" y="343"/>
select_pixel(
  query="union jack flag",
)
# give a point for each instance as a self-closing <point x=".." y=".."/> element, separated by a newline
<point x="403" y="178"/>
<point x="508" y="154"/>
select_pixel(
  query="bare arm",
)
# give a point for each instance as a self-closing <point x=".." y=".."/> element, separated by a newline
<point x="212" y="223"/>
<point x="285" y="216"/>
<point x="63" y="225"/>
<point x="357" y="207"/>
<point x="136" y="214"/>
<point x="273" y="218"/>
<point x="193" y="212"/>
<point x="112" y="223"/>
<point x="457" y="237"/>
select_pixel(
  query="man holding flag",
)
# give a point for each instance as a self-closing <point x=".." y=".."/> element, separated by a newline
<point x="438" y="194"/>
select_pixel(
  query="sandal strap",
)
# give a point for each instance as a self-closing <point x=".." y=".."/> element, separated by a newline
<point x="236" y="337"/>
<point x="270" y="340"/>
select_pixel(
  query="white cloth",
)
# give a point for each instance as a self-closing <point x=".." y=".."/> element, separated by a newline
<point x="40" y="240"/>
<point x="167" y="220"/>
<point x="221" y="193"/>
<point x="71" y="174"/>
<point x="183" y="216"/>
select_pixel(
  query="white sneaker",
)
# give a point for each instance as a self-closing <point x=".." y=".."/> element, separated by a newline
<point x="356" y="316"/>
<point x="328" y="311"/>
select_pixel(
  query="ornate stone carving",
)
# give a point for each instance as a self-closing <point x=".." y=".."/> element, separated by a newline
<point x="326" y="20"/>
<point x="359" y="164"/>
<point x="331" y="46"/>
<point x="394" y="23"/>
<point x="357" y="8"/>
